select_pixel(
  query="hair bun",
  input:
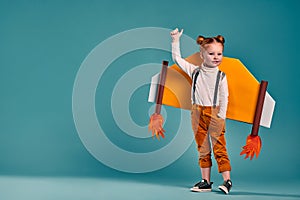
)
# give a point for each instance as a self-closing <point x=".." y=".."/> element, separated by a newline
<point x="220" y="38"/>
<point x="200" y="39"/>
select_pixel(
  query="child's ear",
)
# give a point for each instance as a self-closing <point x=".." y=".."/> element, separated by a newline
<point x="201" y="55"/>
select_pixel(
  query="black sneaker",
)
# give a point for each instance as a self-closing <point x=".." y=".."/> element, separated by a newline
<point x="202" y="186"/>
<point x="226" y="186"/>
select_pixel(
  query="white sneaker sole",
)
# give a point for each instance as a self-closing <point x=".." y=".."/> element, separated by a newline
<point x="196" y="189"/>
<point x="223" y="189"/>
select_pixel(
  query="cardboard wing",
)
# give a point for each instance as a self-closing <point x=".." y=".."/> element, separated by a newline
<point x="242" y="85"/>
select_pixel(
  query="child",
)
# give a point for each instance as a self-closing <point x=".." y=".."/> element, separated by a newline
<point x="209" y="99"/>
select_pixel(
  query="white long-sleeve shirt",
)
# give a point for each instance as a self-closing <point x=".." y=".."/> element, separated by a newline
<point x="206" y="81"/>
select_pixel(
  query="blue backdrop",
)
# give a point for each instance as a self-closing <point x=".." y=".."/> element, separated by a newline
<point x="43" y="44"/>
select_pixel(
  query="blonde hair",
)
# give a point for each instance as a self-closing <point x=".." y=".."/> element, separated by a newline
<point x="203" y="41"/>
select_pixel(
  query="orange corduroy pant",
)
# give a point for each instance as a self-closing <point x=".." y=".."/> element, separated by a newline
<point x="210" y="135"/>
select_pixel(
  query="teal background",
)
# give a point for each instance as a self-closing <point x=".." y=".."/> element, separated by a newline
<point x="43" y="43"/>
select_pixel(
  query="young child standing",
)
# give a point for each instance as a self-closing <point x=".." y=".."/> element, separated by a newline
<point x="209" y="105"/>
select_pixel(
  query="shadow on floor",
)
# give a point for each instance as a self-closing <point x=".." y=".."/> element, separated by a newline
<point x="242" y="193"/>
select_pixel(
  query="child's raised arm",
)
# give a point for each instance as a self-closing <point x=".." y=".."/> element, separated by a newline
<point x="176" y="55"/>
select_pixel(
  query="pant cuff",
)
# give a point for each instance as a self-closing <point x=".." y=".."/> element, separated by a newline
<point x="224" y="168"/>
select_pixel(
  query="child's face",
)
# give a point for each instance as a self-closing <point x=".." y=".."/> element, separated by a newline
<point x="212" y="54"/>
